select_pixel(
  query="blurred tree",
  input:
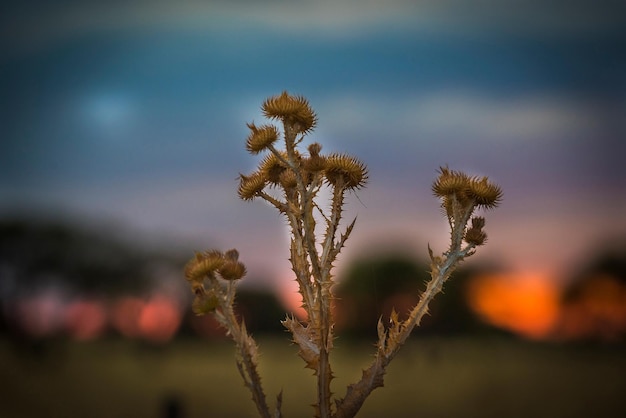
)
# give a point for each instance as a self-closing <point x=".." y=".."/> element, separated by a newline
<point x="372" y="287"/>
<point x="594" y="305"/>
<point x="261" y="311"/>
<point x="36" y="253"/>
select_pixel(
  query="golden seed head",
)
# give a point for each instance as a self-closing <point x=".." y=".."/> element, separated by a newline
<point x="250" y="186"/>
<point x="288" y="179"/>
<point x="291" y="109"/>
<point x="346" y="170"/>
<point x="272" y="168"/>
<point x="203" y="265"/>
<point x="450" y="183"/>
<point x="261" y="137"/>
<point x="314" y="163"/>
<point x="484" y="193"/>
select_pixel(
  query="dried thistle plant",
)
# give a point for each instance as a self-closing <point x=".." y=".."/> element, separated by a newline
<point x="291" y="179"/>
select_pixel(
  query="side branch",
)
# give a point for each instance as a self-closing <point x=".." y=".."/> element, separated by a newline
<point x="393" y="339"/>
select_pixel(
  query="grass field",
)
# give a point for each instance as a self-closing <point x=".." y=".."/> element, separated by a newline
<point x="434" y="377"/>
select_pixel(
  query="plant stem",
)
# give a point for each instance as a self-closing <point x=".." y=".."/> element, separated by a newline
<point x="389" y="344"/>
<point x="247" y="363"/>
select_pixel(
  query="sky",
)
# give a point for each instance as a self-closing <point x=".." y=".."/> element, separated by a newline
<point x="133" y="114"/>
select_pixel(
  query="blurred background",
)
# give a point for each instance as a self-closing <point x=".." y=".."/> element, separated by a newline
<point x="122" y="131"/>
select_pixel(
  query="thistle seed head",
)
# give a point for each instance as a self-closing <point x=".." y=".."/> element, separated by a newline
<point x="485" y="194"/>
<point x="272" y="168"/>
<point x="250" y="186"/>
<point x="291" y="109"/>
<point x="346" y="170"/>
<point x="261" y="138"/>
<point x="232" y="270"/>
<point x="450" y="183"/>
<point x="203" y="265"/>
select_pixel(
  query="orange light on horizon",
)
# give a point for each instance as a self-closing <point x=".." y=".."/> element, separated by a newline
<point x="156" y="319"/>
<point x="86" y="319"/>
<point x="292" y="299"/>
<point x="524" y="303"/>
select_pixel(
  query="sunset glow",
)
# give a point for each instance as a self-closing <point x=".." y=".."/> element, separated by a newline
<point x="597" y="310"/>
<point x="156" y="319"/>
<point x="292" y="300"/>
<point x="85" y="319"/>
<point x="527" y="303"/>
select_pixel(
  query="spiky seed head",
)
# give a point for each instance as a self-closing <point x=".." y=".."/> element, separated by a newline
<point x="250" y="186"/>
<point x="232" y="270"/>
<point x="203" y="265"/>
<point x="346" y="170"/>
<point x="288" y="179"/>
<point x="272" y="167"/>
<point x="485" y="194"/>
<point x="260" y="137"/>
<point x="291" y="109"/>
<point x="314" y="163"/>
<point x="450" y="183"/>
<point x="475" y="236"/>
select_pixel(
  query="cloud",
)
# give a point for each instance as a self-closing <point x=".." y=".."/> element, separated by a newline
<point x="450" y="114"/>
<point x="22" y="28"/>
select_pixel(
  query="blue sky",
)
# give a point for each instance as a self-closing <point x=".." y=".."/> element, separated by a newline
<point x="135" y="114"/>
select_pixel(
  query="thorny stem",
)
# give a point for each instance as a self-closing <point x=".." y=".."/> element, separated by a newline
<point x="390" y="343"/>
<point x="322" y="291"/>
<point x="246" y="363"/>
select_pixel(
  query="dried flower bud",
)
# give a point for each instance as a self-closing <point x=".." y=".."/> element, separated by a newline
<point x="478" y="222"/>
<point x="288" y="179"/>
<point x="291" y="109"/>
<point x="261" y="137"/>
<point x="205" y="303"/>
<point x="232" y="270"/>
<point x="232" y="254"/>
<point x="251" y="186"/>
<point x="314" y="149"/>
<point x="347" y="170"/>
<point x="475" y="236"/>
<point x="203" y="265"/>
